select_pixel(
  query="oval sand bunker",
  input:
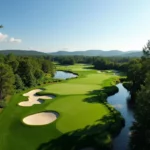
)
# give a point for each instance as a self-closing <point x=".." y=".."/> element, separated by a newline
<point x="42" y="118"/>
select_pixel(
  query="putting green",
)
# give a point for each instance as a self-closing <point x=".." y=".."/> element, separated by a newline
<point x="75" y="113"/>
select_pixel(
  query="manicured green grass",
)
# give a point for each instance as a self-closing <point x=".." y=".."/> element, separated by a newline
<point x="76" y="67"/>
<point x="69" y="88"/>
<point x="73" y="103"/>
<point x="75" y="113"/>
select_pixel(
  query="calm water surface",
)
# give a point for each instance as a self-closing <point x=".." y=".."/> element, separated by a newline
<point x="119" y="101"/>
<point x="64" y="75"/>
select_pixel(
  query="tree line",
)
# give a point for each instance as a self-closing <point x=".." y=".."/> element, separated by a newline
<point x="120" y="64"/>
<point x="101" y="63"/>
<point x="138" y="75"/>
<point x="19" y="72"/>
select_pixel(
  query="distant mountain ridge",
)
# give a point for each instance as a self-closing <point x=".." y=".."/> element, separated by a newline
<point x="109" y="53"/>
<point x="23" y="52"/>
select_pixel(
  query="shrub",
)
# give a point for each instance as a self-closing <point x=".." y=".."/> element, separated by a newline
<point x="2" y="104"/>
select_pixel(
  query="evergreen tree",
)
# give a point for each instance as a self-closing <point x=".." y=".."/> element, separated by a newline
<point x="25" y="71"/>
<point x="146" y="49"/>
<point x="135" y="75"/>
<point x="2" y="58"/>
<point x="18" y="82"/>
<point x="140" y="137"/>
<point x="38" y="74"/>
<point x="30" y="79"/>
<point x="140" y="131"/>
<point x="48" y="67"/>
<point x="6" y="80"/>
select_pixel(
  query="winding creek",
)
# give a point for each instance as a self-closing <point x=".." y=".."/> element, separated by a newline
<point x="119" y="101"/>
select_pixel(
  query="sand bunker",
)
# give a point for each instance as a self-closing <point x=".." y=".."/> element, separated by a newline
<point x="33" y="98"/>
<point x="42" y="118"/>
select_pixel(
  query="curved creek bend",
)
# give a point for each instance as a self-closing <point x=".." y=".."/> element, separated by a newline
<point x="120" y="102"/>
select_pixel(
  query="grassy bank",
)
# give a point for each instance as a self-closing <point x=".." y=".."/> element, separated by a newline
<point x="85" y="117"/>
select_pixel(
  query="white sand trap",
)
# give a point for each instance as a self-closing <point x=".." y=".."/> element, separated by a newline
<point x="42" y="118"/>
<point x="34" y="99"/>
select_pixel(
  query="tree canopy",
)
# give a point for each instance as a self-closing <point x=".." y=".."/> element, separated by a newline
<point x="139" y="75"/>
<point x="6" y="80"/>
<point x="19" y="72"/>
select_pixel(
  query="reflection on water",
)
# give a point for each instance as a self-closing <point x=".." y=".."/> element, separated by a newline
<point x="118" y="106"/>
<point x="64" y="75"/>
<point x="120" y="102"/>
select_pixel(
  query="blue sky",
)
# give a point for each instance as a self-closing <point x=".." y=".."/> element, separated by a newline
<point x="52" y="25"/>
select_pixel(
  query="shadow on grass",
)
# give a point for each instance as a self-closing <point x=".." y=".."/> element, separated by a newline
<point x="100" y="96"/>
<point x="88" y="67"/>
<point x="98" y="136"/>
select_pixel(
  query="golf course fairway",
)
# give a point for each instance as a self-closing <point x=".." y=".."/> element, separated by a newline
<point x="83" y="115"/>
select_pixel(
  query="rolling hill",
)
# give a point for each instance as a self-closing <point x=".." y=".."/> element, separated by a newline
<point x="109" y="53"/>
<point x="23" y="52"/>
<point x="89" y="53"/>
<point x="83" y="53"/>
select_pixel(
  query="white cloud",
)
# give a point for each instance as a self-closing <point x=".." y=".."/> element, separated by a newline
<point x="13" y="40"/>
<point x="3" y="37"/>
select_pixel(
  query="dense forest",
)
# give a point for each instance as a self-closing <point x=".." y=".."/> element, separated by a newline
<point x="101" y="63"/>
<point x="139" y="76"/>
<point x="21" y="72"/>
<point x="18" y="73"/>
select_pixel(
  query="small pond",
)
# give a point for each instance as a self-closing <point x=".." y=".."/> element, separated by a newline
<point x="64" y="75"/>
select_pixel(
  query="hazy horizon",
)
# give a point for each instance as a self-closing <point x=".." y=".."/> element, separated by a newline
<point x="71" y="51"/>
<point x="50" y="26"/>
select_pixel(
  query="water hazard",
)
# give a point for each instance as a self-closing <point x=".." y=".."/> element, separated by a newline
<point x="120" y="102"/>
<point x="64" y="75"/>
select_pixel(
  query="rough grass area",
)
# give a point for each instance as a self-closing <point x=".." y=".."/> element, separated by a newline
<point x="85" y="117"/>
